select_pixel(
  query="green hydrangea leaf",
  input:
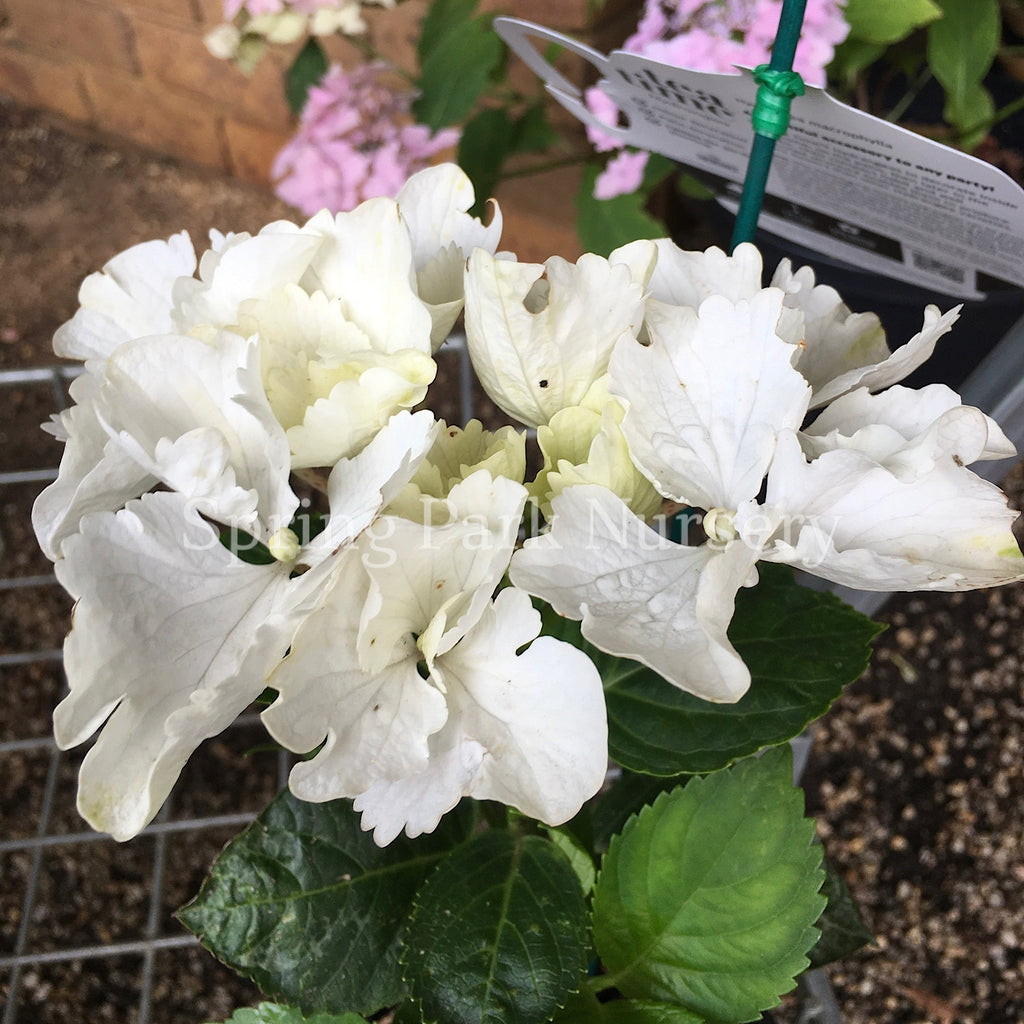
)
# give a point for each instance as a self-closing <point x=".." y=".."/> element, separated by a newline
<point x="499" y="933"/>
<point x="842" y="928"/>
<point x="962" y="45"/>
<point x="442" y="18"/>
<point x="533" y="132"/>
<point x="274" y="1013"/>
<point x="626" y="796"/>
<point x="585" y="1008"/>
<point x="802" y="647"/>
<point x="309" y="66"/>
<point x="305" y="904"/>
<point x="708" y="898"/>
<point x="484" y="144"/>
<point x="455" y="73"/>
<point x="605" y="224"/>
<point x="882" y="21"/>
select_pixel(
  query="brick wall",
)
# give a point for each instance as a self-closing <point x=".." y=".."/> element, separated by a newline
<point x="139" y="69"/>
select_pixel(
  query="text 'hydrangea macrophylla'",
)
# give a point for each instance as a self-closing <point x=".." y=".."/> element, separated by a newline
<point x="355" y="141"/>
<point x="410" y="679"/>
<point x="875" y="493"/>
<point x="716" y="36"/>
<point x="297" y="348"/>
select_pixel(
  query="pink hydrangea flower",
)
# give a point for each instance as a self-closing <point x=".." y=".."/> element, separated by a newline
<point x="355" y="141"/>
<point x="622" y="175"/>
<point x="713" y="35"/>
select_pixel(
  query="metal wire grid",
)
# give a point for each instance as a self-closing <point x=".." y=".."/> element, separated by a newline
<point x="25" y="954"/>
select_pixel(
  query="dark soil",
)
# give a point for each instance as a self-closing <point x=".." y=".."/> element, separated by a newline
<point x="916" y="776"/>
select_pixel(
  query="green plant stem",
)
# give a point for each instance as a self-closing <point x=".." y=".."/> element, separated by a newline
<point x="370" y="52"/>
<point x="550" y="165"/>
<point x="910" y="95"/>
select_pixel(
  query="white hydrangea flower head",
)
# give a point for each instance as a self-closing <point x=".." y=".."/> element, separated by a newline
<point x="174" y="635"/>
<point x="294" y="350"/>
<point x="875" y="493"/>
<point x="410" y="679"/>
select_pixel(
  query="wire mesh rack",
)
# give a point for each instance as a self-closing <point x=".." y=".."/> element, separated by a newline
<point x="86" y="924"/>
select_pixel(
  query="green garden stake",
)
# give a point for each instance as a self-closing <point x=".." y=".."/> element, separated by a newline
<point x="777" y="84"/>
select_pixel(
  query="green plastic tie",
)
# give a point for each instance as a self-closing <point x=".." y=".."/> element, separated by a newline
<point x="775" y="93"/>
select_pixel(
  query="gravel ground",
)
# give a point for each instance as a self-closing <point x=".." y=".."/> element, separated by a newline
<point x="916" y="776"/>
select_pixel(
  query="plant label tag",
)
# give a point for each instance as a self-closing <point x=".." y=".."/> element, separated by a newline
<point x="842" y="182"/>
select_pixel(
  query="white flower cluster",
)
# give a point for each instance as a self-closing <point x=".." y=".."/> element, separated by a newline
<point x="250" y="24"/>
<point x="658" y="380"/>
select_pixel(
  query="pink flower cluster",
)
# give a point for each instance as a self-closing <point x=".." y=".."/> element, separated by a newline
<point x="711" y="35"/>
<point x="355" y="141"/>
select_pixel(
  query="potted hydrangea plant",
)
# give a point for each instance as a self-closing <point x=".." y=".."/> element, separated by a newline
<point x="465" y="626"/>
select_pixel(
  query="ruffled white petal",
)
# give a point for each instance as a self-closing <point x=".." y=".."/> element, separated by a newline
<point x="855" y="522"/>
<point x="129" y="298"/>
<point x="540" y="335"/>
<point x="240" y="268"/>
<point x="173" y="637"/>
<point x="527" y="729"/>
<point x="434" y="580"/>
<point x="707" y="398"/>
<point x="843" y="350"/>
<point x="195" y="416"/>
<point x="898" y="426"/>
<point x="358" y="488"/>
<point x="683" y="278"/>
<point x="368" y="389"/>
<point x="639" y="595"/>
<point x="372" y="724"/>
<point x="434" y="205"/>
<point x="96" y="474"/>
<point x="365" y="260"/>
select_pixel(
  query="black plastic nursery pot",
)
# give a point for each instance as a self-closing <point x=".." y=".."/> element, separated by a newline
<point x="898" y="304"/>
<point x="900" y="307"/>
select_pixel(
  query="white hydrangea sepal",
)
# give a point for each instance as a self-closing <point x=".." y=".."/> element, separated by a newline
<point x="541" y="335"/>
<point x="129" y="298"/>
<point x="194" y="415"/>
<point x="527" y="729"/>
<point x="435" y="580"/>
<point x="843" y="350"/>
<point x="707" y="397"/>
<point x="684" y="278"/>
<point x="851" y="520"/>
<point x="639" y="595"/>
<point x="434" y="205"/>
<point x="365" y="260"/>
<point x="237" y="267"/>
<point x="889" y="424"/>
<point x="95" y="475"/>
<point x="173" y="637"/>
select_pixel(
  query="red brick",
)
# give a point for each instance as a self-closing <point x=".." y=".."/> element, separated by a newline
<point x="252" y="150"/>
<point x="156" y="116"/>
<point x="39" y="82"/>
<point x="179" y="57"/>
<point x="211" y="12"/>
<point x="69" y="29"/>
<point x="182" y="12"/>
